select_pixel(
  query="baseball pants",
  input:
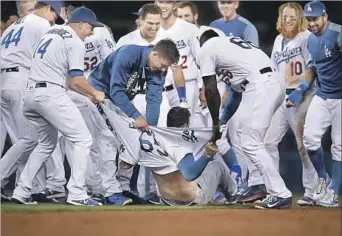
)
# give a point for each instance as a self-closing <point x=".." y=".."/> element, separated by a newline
<point x="321" y="114"/>
<point x="293" y="118"/>
<point x="262" y="97"/>
<point x="50" y="110"/>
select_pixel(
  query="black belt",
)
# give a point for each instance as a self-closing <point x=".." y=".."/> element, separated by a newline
<point x="165" y="89"/>
<point x="41" y="85"/>
<point x="288" y="91"/>
<point x="12" y="69"/>
<point x="265" y="70"/>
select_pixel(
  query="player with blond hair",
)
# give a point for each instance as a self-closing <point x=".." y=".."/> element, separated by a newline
<point x="293" y="60"/>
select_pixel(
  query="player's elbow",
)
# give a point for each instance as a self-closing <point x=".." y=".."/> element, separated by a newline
<point x="74" y="82"/>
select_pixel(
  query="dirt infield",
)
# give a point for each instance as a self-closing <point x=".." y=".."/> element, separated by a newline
<point x="215" y="222"/>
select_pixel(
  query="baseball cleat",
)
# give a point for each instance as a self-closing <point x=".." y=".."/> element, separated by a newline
<point x="152" y="198"/>
<point x="330" y="199"/>
<point x="306" y="201"/>
<point x="84" y="202"/>
<point x="321" y="189"/>
<point x="4" y="197"/>
<point x="48" y="195"/>
<point x="99" y="198"/>
<point x="219" y="198"/>
<point x="22" y="200"/>
<point x="273" y="202"/>
<point x="118" y="199"/>
<point x="252" y="194"/>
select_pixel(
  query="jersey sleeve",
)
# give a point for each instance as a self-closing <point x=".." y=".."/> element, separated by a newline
<point x="206" y="62"/>
<point x="75" y="54"/>
<point x="339" y="40"/>
<point x="306" y="54"/>
<point x="274" y="49"/>
<point x="251" y="34"/>
<point x="107" y="43"/>
<point x="121" y="42"/>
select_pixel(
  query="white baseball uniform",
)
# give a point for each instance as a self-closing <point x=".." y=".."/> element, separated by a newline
<point x="50" y="109"/>
<point x="184" y="35"/>
<point x="292" y="60"/>
<point x="139" y="102"/>
<point x="249" y="70"/>
<point x="18" y="44"/>
<point x="163" y="148"/>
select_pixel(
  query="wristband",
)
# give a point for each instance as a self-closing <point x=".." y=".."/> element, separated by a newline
<point x="181" y="93"/>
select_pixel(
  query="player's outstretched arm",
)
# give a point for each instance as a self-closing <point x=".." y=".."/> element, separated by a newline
<point x="230" y="106"/>
<point x="191" y="169"/>
<point x="81" y="85"/>
<point x="296" y="97"/>
<point x="179" y="80"/>
<point x="213" y="101"/>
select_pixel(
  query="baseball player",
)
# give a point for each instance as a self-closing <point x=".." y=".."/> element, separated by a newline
<point x="232" y="24"/>
<point x="184" y="35"/>
<point x="58" y="61"/>
<point x="25" y="7"/>
<point x="291" y="56"/>
<point x="147" y="34"/>
<point x="17" y="47"/>
<point x="188" y="11"/>
<point x="254" y="81"/>
<point x="324" y="45"/>
<point x="138" y="19"/>
<point x="185" y="171"/>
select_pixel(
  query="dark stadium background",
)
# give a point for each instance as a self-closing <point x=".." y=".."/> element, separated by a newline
<point x="263" y="14"/>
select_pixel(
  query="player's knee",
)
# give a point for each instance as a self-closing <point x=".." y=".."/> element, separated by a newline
<point x="336" y="151"/>
<point x="310" y="141"/>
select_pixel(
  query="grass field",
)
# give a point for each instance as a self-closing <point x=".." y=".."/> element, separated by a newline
<point x="47" y="207"/>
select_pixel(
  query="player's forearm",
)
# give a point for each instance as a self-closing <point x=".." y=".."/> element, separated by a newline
<point x="191" y="169"/>
<point x="310" y="76"/>
<point x="231" y="106"/>
<point x="213" y="97"/>
<point x="179" y="80"/>
<point x="81" y="85"/>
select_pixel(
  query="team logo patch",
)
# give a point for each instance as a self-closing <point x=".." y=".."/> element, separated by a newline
<point x="189" y="135"/>
<point x="89" y="47"/>
<point x="181" y="44"/>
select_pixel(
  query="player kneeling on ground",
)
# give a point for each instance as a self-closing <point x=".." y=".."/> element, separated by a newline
<point x="182" y="179"/>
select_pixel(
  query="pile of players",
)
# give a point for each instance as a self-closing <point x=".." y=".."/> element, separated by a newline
<point x="192" y="114"/>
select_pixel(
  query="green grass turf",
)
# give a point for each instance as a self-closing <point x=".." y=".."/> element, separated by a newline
<point x="46" y="207"/>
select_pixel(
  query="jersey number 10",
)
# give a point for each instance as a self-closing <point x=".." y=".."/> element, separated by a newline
<point x="296" y="68"/>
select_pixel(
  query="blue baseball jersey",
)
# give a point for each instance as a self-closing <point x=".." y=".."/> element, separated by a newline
<point x="326" y="52"/>
<point x="125" y="73"/>
<point x="240" y="27"/>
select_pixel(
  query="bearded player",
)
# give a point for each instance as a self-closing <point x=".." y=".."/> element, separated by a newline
<point x="291" y="56"/>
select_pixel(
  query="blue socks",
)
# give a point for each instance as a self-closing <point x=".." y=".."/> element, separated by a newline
<point x="230" y="159"/>
<point x="317" y="160"/>
<point x="336" y="176"/>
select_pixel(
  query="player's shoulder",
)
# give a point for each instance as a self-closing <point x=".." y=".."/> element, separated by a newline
<point x="335" y="27"/>
<point x="216" y="22"/>
<point x="245" y="21"/>
<point x="127" y="38"/>
<point x="204" y="28"/>
<point x="186" y="25"/>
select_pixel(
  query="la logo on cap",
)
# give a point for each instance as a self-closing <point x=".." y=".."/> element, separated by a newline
<point x="309" y="8"/>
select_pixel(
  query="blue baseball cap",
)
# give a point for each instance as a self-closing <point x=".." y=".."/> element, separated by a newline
<point x="138" y="13"/>
<point x="83" y="14"/>
<point x="314" y="9"/>
<point x="57" y="7"/>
